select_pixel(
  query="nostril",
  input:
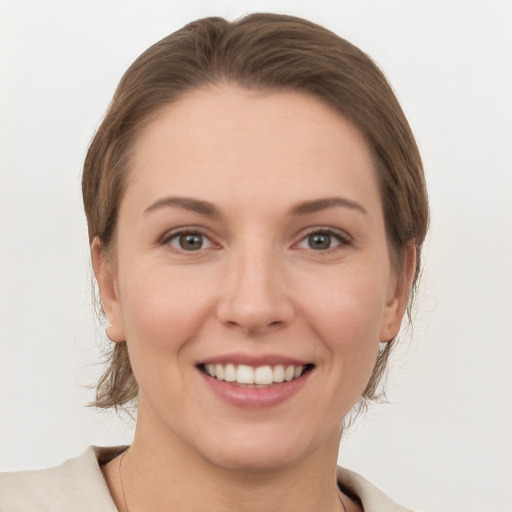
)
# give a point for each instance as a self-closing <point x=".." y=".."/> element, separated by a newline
<point x="254" y="297"/>
<point x="251" y="320"/>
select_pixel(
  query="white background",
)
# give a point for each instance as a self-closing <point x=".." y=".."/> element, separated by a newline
<point x="444" y="443"/>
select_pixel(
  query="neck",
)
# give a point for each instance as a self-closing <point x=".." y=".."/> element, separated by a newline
<point x="161" y="473"/>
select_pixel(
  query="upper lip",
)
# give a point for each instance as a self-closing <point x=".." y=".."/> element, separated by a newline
<point x="254" y="360"/>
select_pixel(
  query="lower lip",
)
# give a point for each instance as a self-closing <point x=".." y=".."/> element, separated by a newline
<point x="255" y="397"/>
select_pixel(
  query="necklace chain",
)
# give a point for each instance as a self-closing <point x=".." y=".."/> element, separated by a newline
<point x="124" y="495"/>
<point x="121" y="479"/>
<point x="341" y="501"/>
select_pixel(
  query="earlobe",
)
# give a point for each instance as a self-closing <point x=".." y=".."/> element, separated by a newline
<point x="399" y="296"/>
<point x="106" y="280"/>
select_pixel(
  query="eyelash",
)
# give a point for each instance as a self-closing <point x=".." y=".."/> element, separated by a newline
<point x="342" y="237"/>
<point x="190" y="231"/>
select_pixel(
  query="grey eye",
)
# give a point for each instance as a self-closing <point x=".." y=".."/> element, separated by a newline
<point x="190" y="241"/>
<point x="323" y="240"/>
<point x="319" y="241"/>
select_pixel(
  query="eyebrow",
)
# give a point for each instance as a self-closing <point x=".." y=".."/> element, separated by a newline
<point x="210" y="210"/>
<point x="317" y="205"/>
<point x="186" y="203"/>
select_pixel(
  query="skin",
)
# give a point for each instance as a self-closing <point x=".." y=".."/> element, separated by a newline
<point x="257" y="286"/>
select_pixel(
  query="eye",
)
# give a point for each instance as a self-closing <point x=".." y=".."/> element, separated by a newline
<point x="188" y="241"/>
<point x="323" y="240"/>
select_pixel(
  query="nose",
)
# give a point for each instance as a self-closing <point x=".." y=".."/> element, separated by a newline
<point x="254" y="295"/>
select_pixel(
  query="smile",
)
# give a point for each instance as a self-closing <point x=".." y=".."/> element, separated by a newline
<point x="259" y="376"/>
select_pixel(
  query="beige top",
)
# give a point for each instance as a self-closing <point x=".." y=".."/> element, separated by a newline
<point x="78" y="485"/>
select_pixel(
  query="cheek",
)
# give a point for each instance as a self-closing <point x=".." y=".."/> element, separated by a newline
<point x="157" y="299"/>
<point x="349" y="307"/>
<point x="347" y="316"/>
<point x="161" y="315"/>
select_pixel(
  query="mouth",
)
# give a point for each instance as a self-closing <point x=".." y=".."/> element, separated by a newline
<point x="258" y="377"/>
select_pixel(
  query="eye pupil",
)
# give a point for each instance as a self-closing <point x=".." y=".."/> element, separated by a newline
<point x="319" y="241"/>
<point x="191" y="242"/>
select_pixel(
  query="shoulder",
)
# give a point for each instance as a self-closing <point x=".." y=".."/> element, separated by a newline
<point x="76" y="485"/>
<point x="371" y="498"/>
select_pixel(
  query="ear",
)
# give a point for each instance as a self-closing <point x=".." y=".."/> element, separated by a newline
<point x="398" y="295"/>
<point x="107" y="283"/>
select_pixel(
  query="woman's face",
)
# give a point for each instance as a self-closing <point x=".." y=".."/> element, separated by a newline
<point x="252" y="279"/>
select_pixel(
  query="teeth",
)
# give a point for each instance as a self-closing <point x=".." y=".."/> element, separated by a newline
<point x="289" y="373"/>
<point x="263" y="375"/>
<point x="230" y="373"/>
<point x="278" y="373"/>
<point x="244" y="374"/>
<point x="219" y="371"/>
<point x="260" y="376"/>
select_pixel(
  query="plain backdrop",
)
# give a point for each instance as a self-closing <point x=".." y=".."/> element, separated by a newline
<point x="444" y="441"/>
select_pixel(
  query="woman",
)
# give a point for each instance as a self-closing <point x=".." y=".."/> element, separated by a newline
<point x="256" y="210"/>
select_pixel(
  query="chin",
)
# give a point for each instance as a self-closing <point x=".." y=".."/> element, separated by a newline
<point x="264" y="450"/>
<point x="255" y="458"/>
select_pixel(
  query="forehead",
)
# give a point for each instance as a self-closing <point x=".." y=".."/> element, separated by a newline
<point x="223" y="140"/>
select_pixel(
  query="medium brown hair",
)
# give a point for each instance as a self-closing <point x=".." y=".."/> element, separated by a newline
<point x="262" y="52"/>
